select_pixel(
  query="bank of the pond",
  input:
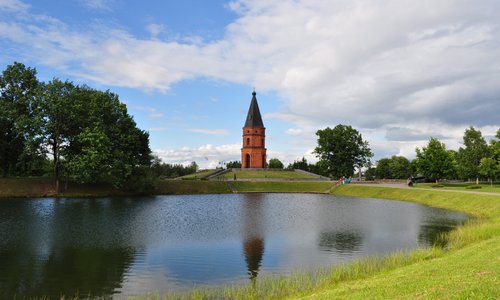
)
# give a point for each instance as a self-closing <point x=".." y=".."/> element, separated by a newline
<point x="44" y="187"/>
<point x="467" y="268"/>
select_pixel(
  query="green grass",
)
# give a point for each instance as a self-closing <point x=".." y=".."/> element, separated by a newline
<point x="198" y="175"/>
<point x="484" y="187"/>
<point x="267" y="174"/>
<point x="183" y="187"/>
<point x="282" y="186"/>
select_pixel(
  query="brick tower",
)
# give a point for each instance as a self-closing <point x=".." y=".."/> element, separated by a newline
<point x="253" y="153"/>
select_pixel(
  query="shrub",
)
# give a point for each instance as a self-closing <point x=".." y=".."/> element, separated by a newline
<point x="473" y="187"/>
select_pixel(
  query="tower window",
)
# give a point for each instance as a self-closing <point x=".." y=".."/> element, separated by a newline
<point x="248" y="141"/>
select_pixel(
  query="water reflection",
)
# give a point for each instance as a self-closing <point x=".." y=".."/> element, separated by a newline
<point x="136" y="246"/>
<point x="253" y="244"/>
<point x="344" y="242"/>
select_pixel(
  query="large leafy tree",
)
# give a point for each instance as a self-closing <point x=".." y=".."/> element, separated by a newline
<point x="275" y="163"/>
<point x="19" y="121"/>
<point x="400" y="167"/>
<point x="383" y="169"/>
<point x="468" y="157"/>
<point x="434" y="161"/>
<point x="340" y="150"/>
<point x="109" y="146"/>
<point x="63" y="120"/>
<point x="489" y="167"/>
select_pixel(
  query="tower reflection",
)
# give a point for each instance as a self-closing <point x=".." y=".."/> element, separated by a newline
<point x="253" y="235"/>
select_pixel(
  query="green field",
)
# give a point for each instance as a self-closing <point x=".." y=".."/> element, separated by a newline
<point x="267" y="174"/>
<point x="197" y="175"/>
<point x="466" y="186"/>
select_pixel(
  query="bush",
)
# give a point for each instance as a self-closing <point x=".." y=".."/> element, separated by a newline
<point x="473" y="187"/>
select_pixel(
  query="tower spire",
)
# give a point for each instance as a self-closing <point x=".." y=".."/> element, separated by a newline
<point x="254" y="119"/>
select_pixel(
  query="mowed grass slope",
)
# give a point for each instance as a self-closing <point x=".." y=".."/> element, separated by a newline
<point x="466" y="186"/>
<point x="259" y="174"/>
<point x="470" y="268"/>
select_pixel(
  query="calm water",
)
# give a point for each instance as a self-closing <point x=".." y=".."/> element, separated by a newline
<point x="140" y="245"/>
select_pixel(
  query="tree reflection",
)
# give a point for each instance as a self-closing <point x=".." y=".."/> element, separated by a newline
<point x="433" y="231"/>
<point x="253" y="238"/>
<point x="43" y="259"/>
<point x="344" y="242"/>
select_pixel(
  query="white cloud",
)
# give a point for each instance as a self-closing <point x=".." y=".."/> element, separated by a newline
<point x="13" y="6"/>
<point x="208" y="131"/>
<point x="155" y="29"/>
<point x="390" y="66"/>
<point x="153" y="113"/>
<point x="97" y="4"/>
<point x="206" y="156"/>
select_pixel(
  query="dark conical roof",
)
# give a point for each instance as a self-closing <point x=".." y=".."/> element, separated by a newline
<point x="254" y="119"/>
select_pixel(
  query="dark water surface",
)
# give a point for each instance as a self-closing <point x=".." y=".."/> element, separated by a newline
<point x="158" y="244"/>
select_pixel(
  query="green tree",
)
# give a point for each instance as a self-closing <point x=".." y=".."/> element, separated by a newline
<point x="434" y="161"/>
<point x="234" y="165"/>
<point x="400" y="167"/>
<point x="489" y="167"/>
<point x="91" y="164"/>
<point x="469" y="157"/>
<point x="299" y="165"/>
<point x="20" y="151"/>
<point x="105" y="115"/>
<point x="275" y="163"/>
<point x="383" y="170"/>
<point x="64" y="118"/>
<point x="340" y="150"/>
<point x="370" y="173"/>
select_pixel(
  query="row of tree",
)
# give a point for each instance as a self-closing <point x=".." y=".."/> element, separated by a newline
<point x="72" y="131"/>
<point x="476" y="159"/>
<point x="342" y="150"/>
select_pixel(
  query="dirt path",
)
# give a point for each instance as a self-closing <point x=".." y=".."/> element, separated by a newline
<point x="405" y="186"/>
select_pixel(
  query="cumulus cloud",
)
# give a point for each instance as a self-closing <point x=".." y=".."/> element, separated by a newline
<point x="206" y="156"/>
<point x="97" y="4"/>
<point x="13" y="6"/>
<point x="390" y="66"/>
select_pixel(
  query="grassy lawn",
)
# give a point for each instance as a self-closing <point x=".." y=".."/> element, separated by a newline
<point x="282" y="186"/>
<point x="464" y="186"/>
<point x="198" y="175"/>
<point x="267" y="174"/>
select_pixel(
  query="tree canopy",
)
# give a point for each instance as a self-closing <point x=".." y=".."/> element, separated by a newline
<point x="469" y="157"/>
<point x="340" y="150"/>
<point x="275" y="163"/>
<point x="434" y="161"/>
<point x="88" y="133"/>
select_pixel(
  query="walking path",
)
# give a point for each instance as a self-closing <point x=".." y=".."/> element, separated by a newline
<point x="405" y="186"/>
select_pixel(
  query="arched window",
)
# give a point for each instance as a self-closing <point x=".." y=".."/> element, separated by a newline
<point x="247" y="160"/>
<point x="248" y="141"/>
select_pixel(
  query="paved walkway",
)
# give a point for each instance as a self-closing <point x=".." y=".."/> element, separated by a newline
<point x="405" y="186"/>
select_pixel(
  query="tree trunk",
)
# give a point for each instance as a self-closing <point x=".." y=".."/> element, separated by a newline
<point x="56" y="166"/>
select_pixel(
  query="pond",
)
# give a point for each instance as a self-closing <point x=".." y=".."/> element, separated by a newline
<point x="135" y="246"/>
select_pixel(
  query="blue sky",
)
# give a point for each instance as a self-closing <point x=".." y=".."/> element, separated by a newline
<point x="398" y="71"/>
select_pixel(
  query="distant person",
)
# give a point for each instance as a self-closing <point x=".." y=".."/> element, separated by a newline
<point x="409" y="181"/>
